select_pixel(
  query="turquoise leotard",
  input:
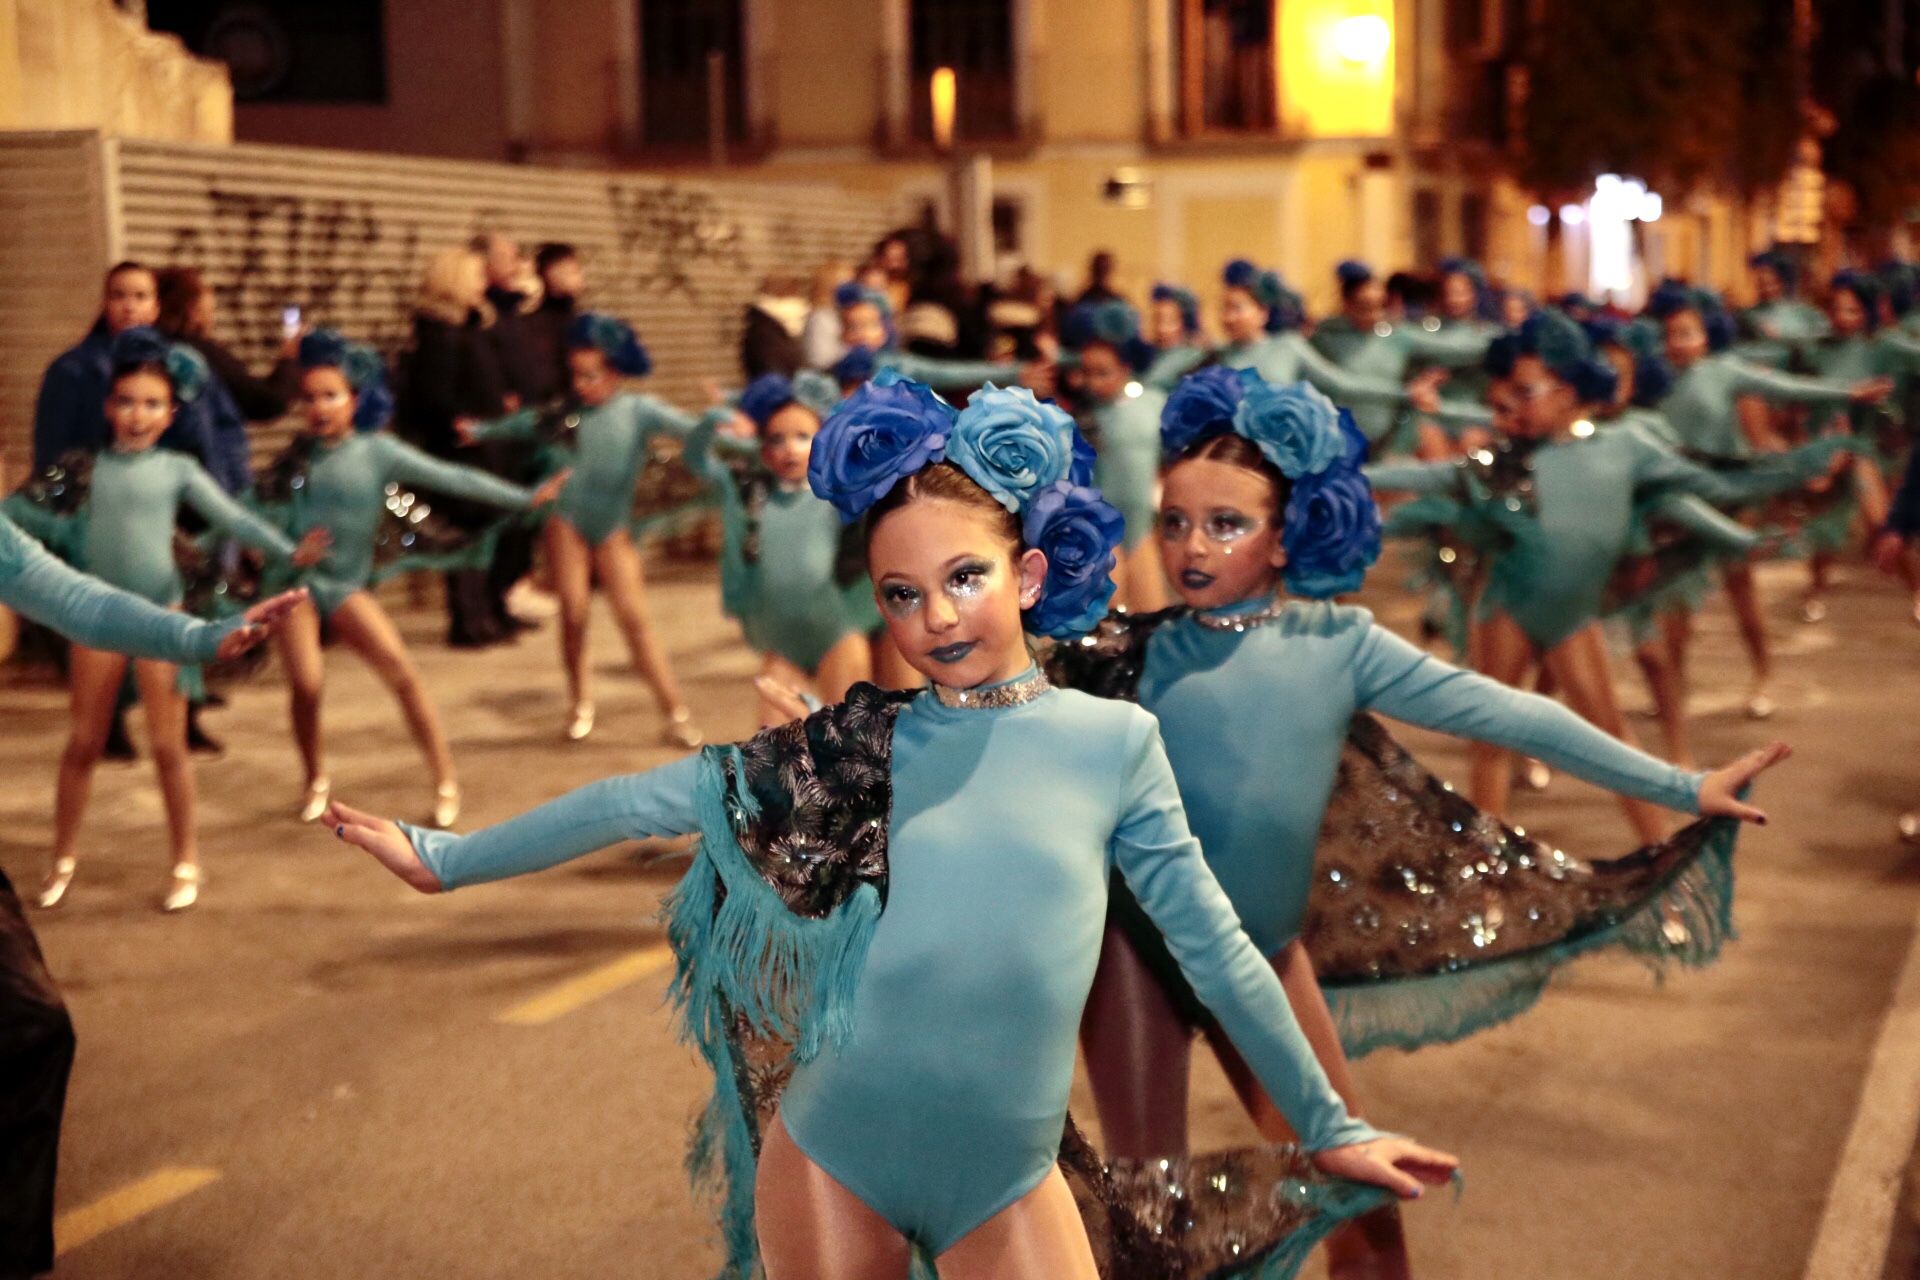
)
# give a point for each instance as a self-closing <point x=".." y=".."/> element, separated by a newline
<point x="1288" y="357"/>
<point x="1254" y="723"/>
<point x="126" y="525"/>
<point x="947" y="1101"/>
<point x="345" y="487"/>
<point x="1552" y="576"/>
<point x="1888" y="353"/>
<point x="1386" y="353"/>
<point x="786" y="598"/>
<point x="945" y="375"/>
<point x="611" y="447"/>
<point x="1128" y="465"/>
<point x="1701" y="404"/>
<point x="89" y="612"/>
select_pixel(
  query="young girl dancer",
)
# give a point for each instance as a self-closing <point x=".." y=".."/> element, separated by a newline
<point x="1364" y="342"/>
<point x="1124" y="412"/>
<point x="1565" y="506"/>
<point x="1703" y="406"/>
<point x="1173" y="327"/>
<point x="587" y="538"/>
<point x="866" y="322"/>
<point x="791" y="572"/>
<point x="1263" y="490"/>
<point x="121" y="530"/>
<point x="853" y="897"/>
<point x="334" y="483"/>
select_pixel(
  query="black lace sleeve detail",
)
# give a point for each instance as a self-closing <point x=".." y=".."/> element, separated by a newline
<point x="1107" y="661"/>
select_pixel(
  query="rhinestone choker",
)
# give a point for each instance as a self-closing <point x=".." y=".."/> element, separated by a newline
<point x="1011" y="693"/>
<point x="1242" y="621"/>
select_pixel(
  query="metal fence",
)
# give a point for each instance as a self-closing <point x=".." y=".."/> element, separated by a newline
<point x="346" y="235"/>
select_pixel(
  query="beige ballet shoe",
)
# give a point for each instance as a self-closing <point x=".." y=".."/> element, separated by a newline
<point x="446" y="804"/>
<point x="582" y="722"/>
<point x="319" y="794"/>
<point x="1813" y="609"/>
<point x="183" y="890"/>
<point x="681" y="731"/>
<point x="1760" y="706"/>
<point x="1909" y="829"/>
<point x="1539" y="776"/>
<point x="53" y="889"/>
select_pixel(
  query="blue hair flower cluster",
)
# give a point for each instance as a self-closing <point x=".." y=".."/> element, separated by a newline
<point x="855" y="366"/>
<point x="1112" y="323"/>
<point x="1562" y="345"/>
<point x="1026" y="453"/>
<point x="1202" y="404"/>
<point x="769" y="393"/>
<point x="613" y="338"/>
<point x="1285" y="308"/>
<point x="1780" y="263"/>
<point x="363" y="369"/>
<point x="186" y="370"/>
<point x="1352" y="273"/>
<point x="1865" y="287"/>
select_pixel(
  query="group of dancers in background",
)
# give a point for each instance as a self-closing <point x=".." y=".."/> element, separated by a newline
<point x="1066" y="737"/>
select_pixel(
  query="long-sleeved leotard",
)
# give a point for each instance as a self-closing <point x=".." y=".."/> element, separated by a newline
<point x="1288" y="357"/>
<point x="1387" y="353"/>
<point x="611" y="447"/>
<point x="1886" y="354"/>
<point x="90" y="612"/>
<point x="946" y="1101"/>
<point x="344" y="492"/>
<point x="1773" y="333"/>
<point x="780" y="568"/>
<point x="1170" y="364"/>
<point x="1552" y="575"/>
<point x="1701" y="405"/>
<point x="1127" y="465"/>
<point x="1255" y="720"/>
<point x="943" y="374"/>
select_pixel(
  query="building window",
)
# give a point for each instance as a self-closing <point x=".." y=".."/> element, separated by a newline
<point x="975" y="39"/>
<point x="1227" y="57"/>
<point x="678" y="43"/>
<point x="293" y="51"/>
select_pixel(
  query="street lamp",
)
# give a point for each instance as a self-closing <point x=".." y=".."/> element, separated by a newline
<point x="969" y="183"/>
<point x="1362" y="39"/>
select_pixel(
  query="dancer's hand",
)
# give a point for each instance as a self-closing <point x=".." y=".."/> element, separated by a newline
<point x="1887" y="551"/>
<point x="550" y="490"/>
<point x="1872" y="390"/>
<point x="1720" y="790"/>
<point x="259" y="623"/>
<point x="467" y="430"/>
<point x="1038" y="377"/>
<point x="738" y="426"/>
<point x="1423" y="392"/>
<point x="382" y="838"/>
<point x="312" y="548"/>
<point x="1398" y="1164"/>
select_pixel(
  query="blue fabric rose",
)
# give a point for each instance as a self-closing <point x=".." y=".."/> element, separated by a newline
<point x="881" y="434"/>
<point x="1011" y="444"/>
<point x="323" y="349"/>
<point x="1077" y="530"/>
<point x="1331" y="532"/>
<point x="1084" y="457"/>
<point x="188" y="372"/>
<point x="765" y="396"/>
<point x="372" y="406"/>
<point x="1202" y="405"/>
<point x="1296" y="427"/>
<point x="1356" y="441"/>
<point x="613" y="338"/>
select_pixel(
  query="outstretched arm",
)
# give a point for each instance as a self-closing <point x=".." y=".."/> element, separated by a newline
<point x="948" y="375"/>
<point x="1162" y="863"/>
<point x="634" y="806"/>
<point x="228" y="516"/>
<point x="1412" y="477"/>
<point x="1346" y="387"/>
<point x="410" y="466"/>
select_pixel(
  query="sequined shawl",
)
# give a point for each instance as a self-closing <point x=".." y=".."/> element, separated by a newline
<point x="769" y="927"/>
<point x="1427" y="918"/>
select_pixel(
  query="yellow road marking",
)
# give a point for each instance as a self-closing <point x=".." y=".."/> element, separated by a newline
<point x="137" y="1199"/>
<point x="589" y="986"/>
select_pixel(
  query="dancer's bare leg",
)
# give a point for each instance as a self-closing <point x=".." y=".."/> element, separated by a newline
<point x="1138" y="1051"/>
<point x="571" y="563"/>
<point x="166" y="713"/>
<point x="1669" y="700"/>
<point x="812" y="1228"/>
<point x="617" y="561"/>
<point x="846" y="664"/>
<point x="1502" y="651"/>
<point x="1753" y="627"/>
<point x="304" y="661"/>
<point x="93" y="683"/>
<point x="1040" y="1236"/>
<point x="364" y="627"/>
<point x="1585" y="676"/>
<point x="1373" y="1246"/>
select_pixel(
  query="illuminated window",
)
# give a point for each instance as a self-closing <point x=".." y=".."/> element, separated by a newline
<point x="677" y="41"/>
<point x="1227" y="58"/>
<point x="975" y="39"/>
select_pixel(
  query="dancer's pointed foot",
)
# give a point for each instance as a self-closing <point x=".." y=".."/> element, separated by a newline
<point x="314" y="803"/>
<point x="53" y="889"/>
<point x="1909" y="828"/>
<point x="446" y="804"/>
<point x="1539" y="776"/>
<point x="183" y="888"/>
<point x="681" y="731"/>
<point x="1760" y="704"/>
<point x="1813" y="609"/>
<point x="581" y="722"/>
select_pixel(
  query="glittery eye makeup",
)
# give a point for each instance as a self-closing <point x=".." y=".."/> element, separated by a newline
<point x="966" y="581"/>
<point x="899" y="601"/>
<point x="1222" y="527"/>
<point x="969" y="580"/>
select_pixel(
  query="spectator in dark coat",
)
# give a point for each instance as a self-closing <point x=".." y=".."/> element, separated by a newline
<point x="235" y="398"/>
<point x="563" y="282"/>
<point x="452" y="370"/>
<point x="70" y="413"/>
<point x="770" y="339"/>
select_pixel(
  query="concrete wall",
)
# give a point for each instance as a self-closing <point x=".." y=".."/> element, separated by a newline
<point x="84" y="64"/>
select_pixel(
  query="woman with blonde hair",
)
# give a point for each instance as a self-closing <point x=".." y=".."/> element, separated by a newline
<point x="452" y="370"/>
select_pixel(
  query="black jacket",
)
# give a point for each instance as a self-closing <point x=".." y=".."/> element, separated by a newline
<point x="450" y="371"/>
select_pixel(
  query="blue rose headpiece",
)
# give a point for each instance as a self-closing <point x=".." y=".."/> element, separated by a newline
<point x="613" y="338"/>
<point x="1782" y="264"/>
<point x="855" y="366"/>
<point x="1285" y="309"/>
<point x="1331" y="526"/>
<point x="1652" y="380"/>
<point x="769" y="393"/>
<point x="186" y="370"/>
<point x="1352" y="273"/>
<point x="363" y="369"/>
<point x="1864" y="286"/>
<point x="1564" y="348"/>
<point x="1899" y="280"/>
<point x="1113" y="323"/>
<point x="1483" y="300"/>
<point x="1026" y="453"/>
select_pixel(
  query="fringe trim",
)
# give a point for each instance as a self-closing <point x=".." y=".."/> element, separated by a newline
<point x="1688" y="920"/>
<point x="745" y="961"/>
